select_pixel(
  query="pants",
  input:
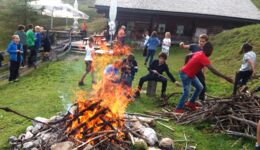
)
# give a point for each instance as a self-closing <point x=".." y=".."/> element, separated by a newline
<point x="186" y="82"/>
<point x="127" y="79"/>
<point x="241" y="79"/>
<point x="25" y="53"/>
<point x="14" y="70"/>
<point x="201" y="78"/>
<point x="145" y="51"/>
<point x="32" y="56"/>
<point x="153" y="77"/>
<point x="150" y="55"/>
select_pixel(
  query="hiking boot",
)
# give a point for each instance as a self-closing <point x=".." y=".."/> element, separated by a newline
<point x="191" y="106"/>
<point x="81" y="83"/>
<point x="145" y="63"/>
<point x="179" y="111"/>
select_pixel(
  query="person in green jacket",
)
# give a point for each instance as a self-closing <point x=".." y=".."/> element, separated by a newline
<point x="30" y="40"/>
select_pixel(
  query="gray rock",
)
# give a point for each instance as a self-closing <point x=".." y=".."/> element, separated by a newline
<point x="166" y="144"/>
<point x="37" y="142"/>
<point x="36" y="128"/>
<point x="29" y="129"/>
<point x="55" y="118"/>
<point x="28" y="135"/>
<point x="13" y="140"/>
<point x="21" y="137"/>
<point x="41" y="119"/>
<point x="28" y="145"/>
<point x="63" y="146"/>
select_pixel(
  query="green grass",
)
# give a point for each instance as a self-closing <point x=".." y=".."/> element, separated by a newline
<point x="38" y="94"/>
<point x="257" y="3"/>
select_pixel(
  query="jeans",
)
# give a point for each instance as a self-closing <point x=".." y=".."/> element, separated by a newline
<point x="14" y="70"/>
<point x="201" y="77"/>
<point x="150" y="55"/>
<point x="241" y="79"/>
<point x="153" y="77"/>
<point x="186" y="82"/>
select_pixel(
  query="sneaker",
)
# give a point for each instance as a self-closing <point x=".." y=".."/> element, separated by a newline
<point x="81" y="83"/>
<point x="16" y="80"/>
<point x="191" y="106"/>
<point x="198" y="103"/>
<point x="179" y="111"/>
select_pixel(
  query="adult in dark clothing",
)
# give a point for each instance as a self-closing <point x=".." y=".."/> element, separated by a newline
<point x="46" y="45"/>
<point x="156" y="70"/>
<point x="22" y="35"/>
<point x="15" y="51"/>
<point x="129" y="69"/>
<point x="193" y="48"/>
<point x="1" y="59"/>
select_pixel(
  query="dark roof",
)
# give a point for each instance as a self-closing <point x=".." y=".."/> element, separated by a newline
<point x="243" y="9"/>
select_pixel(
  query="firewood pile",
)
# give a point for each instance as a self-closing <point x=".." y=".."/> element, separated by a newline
<point x="236" y="116"/>
<point x="93" y="127"/>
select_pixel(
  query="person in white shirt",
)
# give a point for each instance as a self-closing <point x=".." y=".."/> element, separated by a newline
<point x="146" y="38"/>
<point x="90" y="52"/>
<point x="247" y="69"/>
<point x="166" y="44"/>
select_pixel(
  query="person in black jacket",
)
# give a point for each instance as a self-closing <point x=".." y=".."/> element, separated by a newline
<point x="129" y="69"/>
<point x="156" y="70"/>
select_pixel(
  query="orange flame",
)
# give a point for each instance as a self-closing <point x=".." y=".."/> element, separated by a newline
<point x="107" y="103"/>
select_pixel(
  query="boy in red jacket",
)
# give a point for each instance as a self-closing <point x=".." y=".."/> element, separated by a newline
<point x="188" y="73"/>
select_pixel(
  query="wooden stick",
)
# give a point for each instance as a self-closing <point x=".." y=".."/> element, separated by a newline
<point x="7" y="109"/>
<point x="170" y="128"/>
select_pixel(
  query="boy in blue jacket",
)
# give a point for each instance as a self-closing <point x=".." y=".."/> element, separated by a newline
<point x="152" y="44"/>
<point x="15" y="51"/>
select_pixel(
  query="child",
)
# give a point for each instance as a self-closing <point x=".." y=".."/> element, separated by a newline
<point x="146" y="38"/>
<point x="193" y="48"/>
<point x="15" y="51"/>
<point x="21" y="33"/>
<point x="90" y="52"/>
<point x="247" y="69"/>
<point x="129" y="69"/>
<point x="188" y="73"/>
<point x="156" y="70"/>
<point x="152" y="44"/>
<point x="203" y="39"/>
<point x="30" y="42"/>
<point x="166" y="44"/>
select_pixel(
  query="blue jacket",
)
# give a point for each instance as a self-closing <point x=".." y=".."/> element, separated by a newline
<point x="12" y="48"/>
<point x="153" y="43"/>
<point x="38" y="42"/>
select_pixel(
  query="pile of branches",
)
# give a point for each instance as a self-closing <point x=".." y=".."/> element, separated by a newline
<point x="236" y="116"/>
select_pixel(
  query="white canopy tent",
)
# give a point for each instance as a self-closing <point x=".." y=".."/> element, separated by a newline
<point x="57" y="9"/>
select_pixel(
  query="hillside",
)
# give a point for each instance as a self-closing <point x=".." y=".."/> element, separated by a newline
<point x="227" y="46"/>
<point x="257" y="3"/>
